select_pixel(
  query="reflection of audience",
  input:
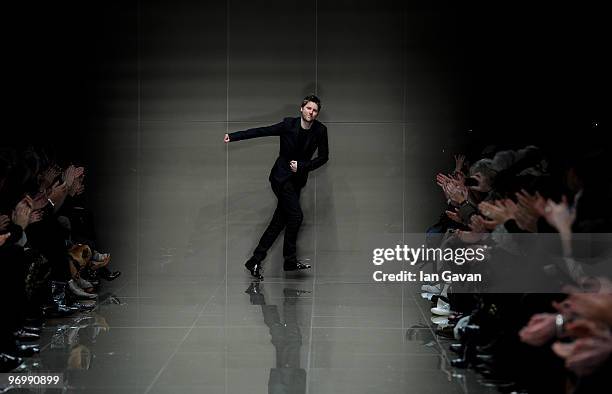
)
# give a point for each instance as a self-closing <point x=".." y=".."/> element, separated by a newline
<point x="50" y="266"/>
<point x="287" y="376"/>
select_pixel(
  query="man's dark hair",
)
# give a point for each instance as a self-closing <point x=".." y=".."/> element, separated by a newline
<point x="312" y="98"/>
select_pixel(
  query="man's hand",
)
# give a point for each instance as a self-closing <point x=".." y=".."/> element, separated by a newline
<point x="293" y="165"/>
<point x="457" y="192"/>
<point x="21" y="213"/>
<point x="226" y="139"/>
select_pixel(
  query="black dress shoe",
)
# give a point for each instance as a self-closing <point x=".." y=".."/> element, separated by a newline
<point x="457" y="348"/>
<point x="59" y="310"/>
<point x="23" y="335"/>
<point x="295" y="265"/>
<point x="254" y="267"/>
<point x="490" y="347"/>
<point x="27" y="350"/>
<point x="106" y="274"/>
<point x="485" y="358"/>
<point x="84" y="306"/>
<point x="34" y="329"/>
<point x="255" y="294"/>
<point x="294" y="292"/>
<point x="8" y="362"/>
<point x="459" y="363"/>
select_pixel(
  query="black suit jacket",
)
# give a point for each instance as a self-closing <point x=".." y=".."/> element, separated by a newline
<point x="290" y="149"/>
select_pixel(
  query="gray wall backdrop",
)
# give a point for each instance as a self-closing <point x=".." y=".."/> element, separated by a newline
<point x="170" y="78"/>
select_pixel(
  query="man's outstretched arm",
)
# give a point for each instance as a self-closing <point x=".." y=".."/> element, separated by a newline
<point x="275" y="129"/>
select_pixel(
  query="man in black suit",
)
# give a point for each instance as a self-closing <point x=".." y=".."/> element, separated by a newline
<point x="299" y="138"/>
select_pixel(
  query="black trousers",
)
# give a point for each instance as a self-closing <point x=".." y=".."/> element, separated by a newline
<point x="288" y="215"/>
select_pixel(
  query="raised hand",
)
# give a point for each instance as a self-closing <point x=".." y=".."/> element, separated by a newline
<point x="560" y="216"/>
<point x="457" y="192"/>
<point x="442" y="180"/>
<point x="49" y="176"/>
<point x="459" y="161"/>
<point x="70" y="175"/>
<point x="77" y="187"/>
<point x="459" y="177"/>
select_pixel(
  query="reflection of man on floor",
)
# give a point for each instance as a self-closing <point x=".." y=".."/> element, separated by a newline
<point x="287" y="377"/>
<point x="299" y="138"/>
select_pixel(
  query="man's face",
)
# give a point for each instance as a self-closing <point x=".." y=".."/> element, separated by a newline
<point x="310" y="111"/>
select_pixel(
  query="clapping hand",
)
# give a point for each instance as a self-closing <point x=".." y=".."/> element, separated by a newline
<point x="539" y="330"/>
<point x="71" y="174"/>
<point x="40" y="201"/>
<point x="58" y="193"/>
<point x="442" y="180"/>
<point x="498" y="212"/>
<point x="77" y="187"/>
<point x="49" y="176"/>
<point x="453" y="215"/>
<point x="591" y="349"/>
<point x="4" y="222"/>
<point x="480" y="224"/>
<point x="594" y="306"/>
<point x="35" y="216"/>
<point x="560" y="216"/>
<point x="456" y="192"/>
<point x="21" y="213"/>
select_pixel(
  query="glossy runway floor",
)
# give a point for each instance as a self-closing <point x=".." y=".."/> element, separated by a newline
<point x="291" y="335"/>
